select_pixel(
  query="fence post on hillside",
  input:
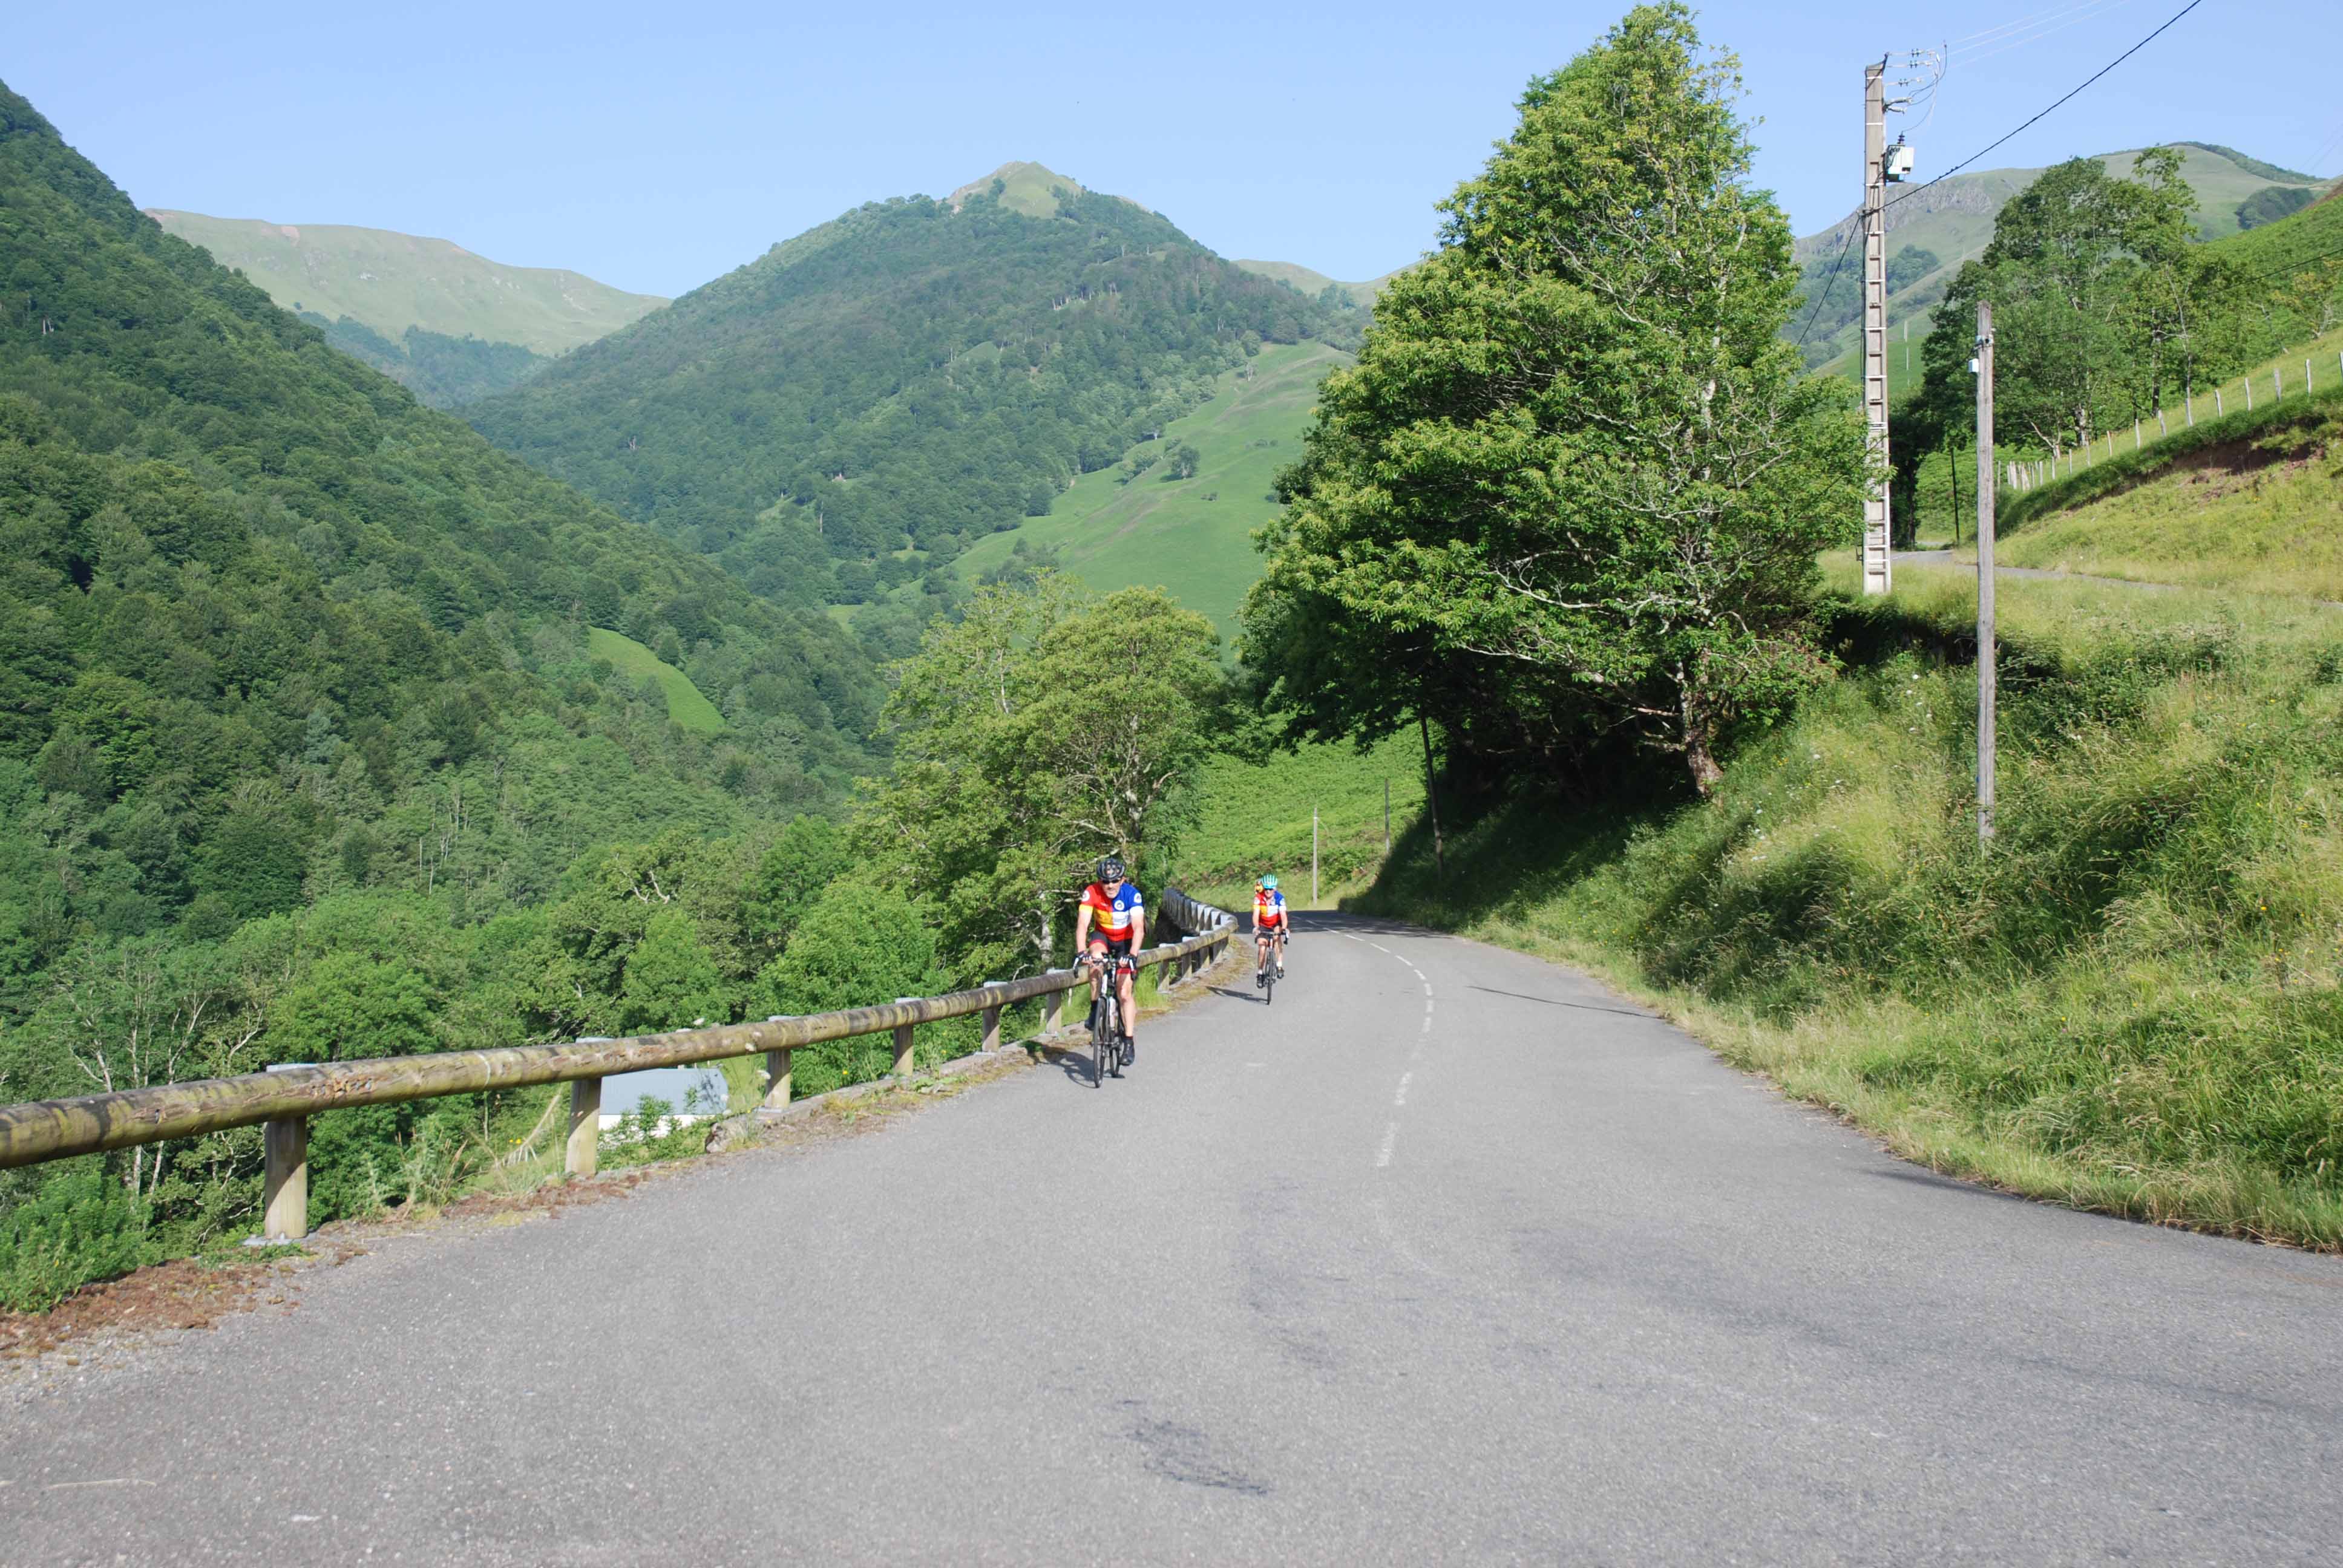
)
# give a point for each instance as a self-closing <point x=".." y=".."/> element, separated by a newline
<point x="284" y="1191"/>
<point x="2161" y="430"/>
<point x="903" y="1044"/>
<point x="2219" y="411"/>
<point x="777" y="1076"/>
<point x="2134" y="432"/>
<point x="991" y="1016"/>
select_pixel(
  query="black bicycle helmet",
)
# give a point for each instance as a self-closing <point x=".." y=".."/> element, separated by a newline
<point x="1111" y="869"/>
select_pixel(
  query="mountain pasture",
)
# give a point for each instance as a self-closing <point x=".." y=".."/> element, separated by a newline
<point x="1191" y="536"/>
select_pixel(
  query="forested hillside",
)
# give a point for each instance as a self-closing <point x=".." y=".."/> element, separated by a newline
<point x="301" y="724"/>
<point x="848" y="412"/>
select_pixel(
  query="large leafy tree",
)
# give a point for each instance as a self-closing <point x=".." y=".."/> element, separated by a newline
<point x="2104" y="307"/>
<point x="1575" y="475"/>
<point x="1037" y="731"/>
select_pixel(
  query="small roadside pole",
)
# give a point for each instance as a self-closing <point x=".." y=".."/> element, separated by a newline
<point x="1983" y="364"/>
<point x="1432" y="799"/>
<point x="1386" y="816"/>
<point x="1313" y="857"/>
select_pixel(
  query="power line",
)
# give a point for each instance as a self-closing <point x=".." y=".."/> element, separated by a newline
<point x="1978" y="39"/>
<point x="2044" y="114"/>
<point x="2023" y="40"/>
<point x="2057" y="21"/>
<point x="1829" y="283"/>
<point x="1824" y="297"/>
<point x="2298" y="264"/>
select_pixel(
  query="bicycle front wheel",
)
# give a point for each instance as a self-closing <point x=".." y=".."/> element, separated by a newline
<point x="1101" y="1033"/>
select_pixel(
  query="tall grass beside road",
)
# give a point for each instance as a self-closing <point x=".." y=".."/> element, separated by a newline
<point x="2130" y="1002"/>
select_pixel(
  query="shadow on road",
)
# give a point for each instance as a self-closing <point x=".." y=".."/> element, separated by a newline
<point x="1921" y="1178"/>
<point x="1575" y="1006"/>
<point x="1233" y="994"/>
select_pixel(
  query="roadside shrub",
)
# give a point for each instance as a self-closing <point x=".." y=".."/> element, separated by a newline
<point x="79" y="1225"/>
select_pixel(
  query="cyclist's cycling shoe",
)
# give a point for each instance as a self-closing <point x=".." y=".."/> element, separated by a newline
<point x="1280" y="972"/>
<point x="1259" y="975"/>
<point x="1130" y="1051"/>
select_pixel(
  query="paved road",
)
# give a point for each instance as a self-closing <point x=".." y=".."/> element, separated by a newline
<point x="1947" y="558"/>
<point x="1449" y="1256"/>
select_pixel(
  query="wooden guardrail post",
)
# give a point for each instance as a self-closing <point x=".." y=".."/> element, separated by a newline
<point x="1053" y="1010"/>
<point x="903" y="1044"/>
<point x="284" y="1191"/>
<point x="992" y="1023"/>
<point x="585" y="1152"/>
<point x="777" y="1077"/>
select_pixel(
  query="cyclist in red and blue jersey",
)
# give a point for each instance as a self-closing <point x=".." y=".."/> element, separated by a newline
<point x="1110" y="924"/>
<point x="1270" y="928"/>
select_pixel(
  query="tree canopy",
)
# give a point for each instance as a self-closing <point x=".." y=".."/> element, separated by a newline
<point x="1574" y="489"/>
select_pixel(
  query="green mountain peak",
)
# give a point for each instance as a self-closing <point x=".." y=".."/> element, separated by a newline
<point x="1027" y="187"/>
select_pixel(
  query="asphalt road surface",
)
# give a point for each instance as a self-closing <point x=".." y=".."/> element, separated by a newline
<point x="1449" y="1256"/>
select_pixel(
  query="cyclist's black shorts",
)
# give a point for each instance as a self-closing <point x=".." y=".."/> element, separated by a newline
<point x="1117" y="948"/>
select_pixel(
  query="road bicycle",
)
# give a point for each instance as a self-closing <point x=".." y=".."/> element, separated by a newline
<point x="1107" y="1042"/>
<point x="1269" y="963"/>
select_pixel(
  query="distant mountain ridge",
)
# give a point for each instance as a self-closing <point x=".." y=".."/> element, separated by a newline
<point x="391" y="281"/>
<point x="1314" y="282"/>
<point x="848" y="412"/>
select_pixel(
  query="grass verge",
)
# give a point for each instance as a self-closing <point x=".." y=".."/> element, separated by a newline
<point x="2131" y="1001"/>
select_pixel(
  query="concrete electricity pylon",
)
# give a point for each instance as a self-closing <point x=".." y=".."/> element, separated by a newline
<point x="1877" y="547"/>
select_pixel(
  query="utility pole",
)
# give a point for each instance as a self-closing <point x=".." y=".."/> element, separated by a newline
<point x="1876" y="565"/>
<point x="1985" y="653"/>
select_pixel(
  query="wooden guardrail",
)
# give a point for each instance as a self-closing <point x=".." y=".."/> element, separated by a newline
<point x="284" y="1098"/>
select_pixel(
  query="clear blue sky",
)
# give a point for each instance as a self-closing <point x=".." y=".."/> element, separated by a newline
<point x="656" y="147"/>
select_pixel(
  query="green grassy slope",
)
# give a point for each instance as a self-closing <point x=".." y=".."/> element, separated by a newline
<point x="1254" y="816"/>
<point x="1190" y="536"/>
<point x="2132" y="1002"/>
<point x="685" y="705"/>
<point x="391" y="281"/>
<point x="2252" y="501"/>
<point x="1029" y="188"/>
